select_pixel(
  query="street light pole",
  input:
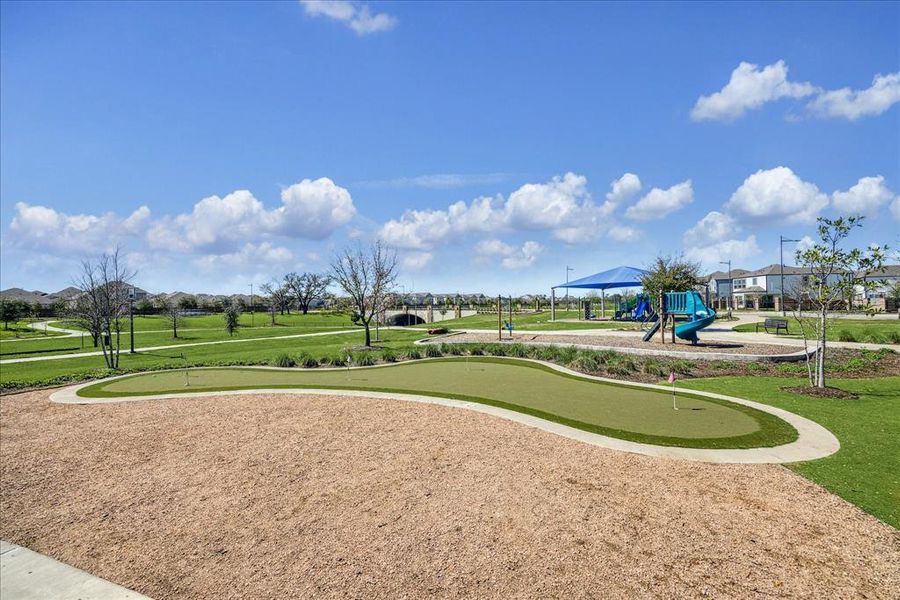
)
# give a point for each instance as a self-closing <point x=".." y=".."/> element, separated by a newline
<point x="730" y="298"/>
<point x="251" y="305"/>
<point x="781" y="241"/>
<point x="568" y="268"/>
<point x="131" y="315"/>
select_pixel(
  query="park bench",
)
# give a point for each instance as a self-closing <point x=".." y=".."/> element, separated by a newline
<point x="776" y="324"/>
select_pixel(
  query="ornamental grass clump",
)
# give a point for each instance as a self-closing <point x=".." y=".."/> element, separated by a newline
<point x="567" y="354"/>
<point x="476" y="349"/>
<point x="433" y="351"/>
<point x="364" y="359"/>
<point x="846" y="336"/>
<point x="518" y="350"/>
<point x="388" y="355"/>
<point x="308" y="361"/>
<point x="284" y="361"/>
<point x="586" y="361"/>
<point x="413" y="354"/>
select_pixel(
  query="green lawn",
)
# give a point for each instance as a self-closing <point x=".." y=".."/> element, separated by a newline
<point x="530" y="322"/>
<point x="621" y="411"/>
<point x="881" y="331"/>
<point x="253" y="351"/>
<point x="154" y="331"/>
<point x="866" y="470"/>
<point x="20" y="330"/>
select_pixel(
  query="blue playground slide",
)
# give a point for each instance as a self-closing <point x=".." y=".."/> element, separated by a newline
<point x="642" y="309"/>
<point x="701" y="315"/>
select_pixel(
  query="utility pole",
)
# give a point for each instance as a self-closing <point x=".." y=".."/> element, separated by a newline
<point x="781" y="241"/>
<point x="729" y="300"/>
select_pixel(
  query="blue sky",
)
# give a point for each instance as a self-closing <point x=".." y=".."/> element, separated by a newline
<point x="225" y="143"/>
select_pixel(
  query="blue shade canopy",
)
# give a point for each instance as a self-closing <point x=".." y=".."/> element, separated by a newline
<point x="614" y="278"/>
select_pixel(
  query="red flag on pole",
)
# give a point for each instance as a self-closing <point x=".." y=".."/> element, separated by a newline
<point x="672" y="377"/>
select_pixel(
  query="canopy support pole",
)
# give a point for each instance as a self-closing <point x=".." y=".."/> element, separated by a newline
<point x="552" y="304"/>
<point x="602" y="304"/>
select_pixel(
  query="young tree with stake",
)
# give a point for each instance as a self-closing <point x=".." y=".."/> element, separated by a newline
<point x="366" y="275"/>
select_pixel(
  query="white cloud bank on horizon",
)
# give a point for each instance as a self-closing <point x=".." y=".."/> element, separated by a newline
<point x="750" y="87"/>
<point x="355" y="15"/>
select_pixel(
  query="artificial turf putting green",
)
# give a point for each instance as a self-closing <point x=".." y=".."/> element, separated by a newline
<point x="621" y="411"/>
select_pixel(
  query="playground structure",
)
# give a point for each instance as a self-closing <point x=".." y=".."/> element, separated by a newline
<point x="638" y="309"/>
<point x="620" y="277"/>
<point x="688" y="304"/>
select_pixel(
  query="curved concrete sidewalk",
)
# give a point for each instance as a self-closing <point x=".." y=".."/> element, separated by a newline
<point x="813" y="441"/>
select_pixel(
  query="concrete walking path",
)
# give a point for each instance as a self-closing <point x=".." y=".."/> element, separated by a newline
<point x="813" y="441"/>
<point x="27" y="575"/>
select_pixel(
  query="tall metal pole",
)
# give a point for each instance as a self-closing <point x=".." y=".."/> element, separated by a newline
<point x="251" y="305"/>
<point x="568" y="268"/>
<point x="730" y="300"/>
<point x="131" y="314"/>
<point x="499" y="320"/>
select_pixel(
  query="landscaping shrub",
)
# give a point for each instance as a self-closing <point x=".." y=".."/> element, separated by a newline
<point x="620" y="367"/>
<point x="518" y="350"/>
<point x="364" y="359"/>
<point x="476" y="349"/>
<point x="548" y="353"/>
<point x="683" y="367"/>
<point x="335" y="360"/>
<point x="433" y="351"/>
<point x="567" y="354"/>
<point x="495" y="349"/>
<point x="654" y="367"/>
<point x="790" y="368"/>
<point x="456" y="349"/>
<point x="604" y="356"/>
<point x="413" y="354"/>
<point x="894" y="337"/>
<point x="754" y="366"/>
<point x="846" y="336"/>
<point x="388" y="355"/>
<point x="308" y="361"/>
<point x="586" y="362"/>
<point x="284" y="361"/>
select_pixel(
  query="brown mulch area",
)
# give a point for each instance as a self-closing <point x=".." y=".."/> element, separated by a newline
<point x="826" y="392"/>
<point x="632" y="341"/>
<point x="286" y="496"/>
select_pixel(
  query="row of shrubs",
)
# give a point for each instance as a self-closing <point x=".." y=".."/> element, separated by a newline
<point x="872" y="337"/>
<point x="584" y="360"/>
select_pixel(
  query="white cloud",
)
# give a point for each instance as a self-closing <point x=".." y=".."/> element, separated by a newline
<point x="865" y="198"/>
<point x="311" y="209"/>
<point x="855" y="104"/>
<point x="511" y="257"/>
<point x="44" y="228"/>
<point x="749" y="88"/>
<point x="734" y="250"/>
<point x="356" y="15"/>
<point x="416" y="261"/>
<point x="714" y="227"/>
<point x="249" y="256"/>
<point x="623" y="189"/>
<point x="659" y="203"/>
<point x="804" y="244"/>
<point x="777" y="195"/>
<point x="562" y="206"/>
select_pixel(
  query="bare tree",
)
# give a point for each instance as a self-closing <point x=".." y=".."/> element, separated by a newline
<point x="835" y="275"/>
<point x="105" y="285"/>
<point x="231" y="312"/>
<point x="306" y="287"/>
<point x="274" y="292"/>
<point x="172" y="311"/>
<point x="81" y="312"/>
<point x="366" y="276"/>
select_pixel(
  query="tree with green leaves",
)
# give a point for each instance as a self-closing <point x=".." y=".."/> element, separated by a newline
<point x="231" y="312"/>
<point x="12" y="311"/>
<point x="670" y="274"/>
<point x="835" y="275"/>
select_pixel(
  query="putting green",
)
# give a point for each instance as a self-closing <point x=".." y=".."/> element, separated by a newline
<point x="621" y="411"/>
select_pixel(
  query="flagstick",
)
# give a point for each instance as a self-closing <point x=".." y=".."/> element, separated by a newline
<point x="675" y="406"/>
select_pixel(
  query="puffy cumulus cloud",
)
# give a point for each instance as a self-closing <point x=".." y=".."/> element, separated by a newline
<point x="43" y="228"/>
<point x="511" y="257"/>
<point x="855" y="104"/>
<point x="355" y="15"/>
<point x="659" y="203"/>
<point x="777" y="195"/>
<point x="311" y="209"/>
<point x="714" y="227"/>
<point x="733" y="249"/>
<point x="249" y="256"/>
<point x="622" y="189"/>
<point x="563" y="206"/>
<point x="749" y="88"/>
<point x="416" y="261"/>
<point x="804" y="244"/>
<point x="865" y="198"/>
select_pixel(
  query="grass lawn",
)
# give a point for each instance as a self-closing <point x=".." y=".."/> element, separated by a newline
<point x="155" y="331"/>
<point x="531" y="322"/>
<point x="866" y="470"/>
<point x="254" y="351"/>
<point x="616" y="410"/>
<point x="881" y="331"/>
<point x="19" y="330"/>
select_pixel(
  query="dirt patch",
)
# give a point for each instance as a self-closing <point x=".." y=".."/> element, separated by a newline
<point x="286" y="496"/>
<point x="827" y="392"/>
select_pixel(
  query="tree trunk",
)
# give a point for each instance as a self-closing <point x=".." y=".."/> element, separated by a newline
<point x="174" y="329"/>
<point x="305" y="308"/>
<point x="820" y="355"/>
<point x="368" y="335"/>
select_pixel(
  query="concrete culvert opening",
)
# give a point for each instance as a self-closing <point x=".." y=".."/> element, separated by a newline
<point x="405" y="319"/>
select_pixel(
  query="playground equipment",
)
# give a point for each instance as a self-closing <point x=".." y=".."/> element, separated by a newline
<point x="637" y="309"/>
<point x="689" y="304"/>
